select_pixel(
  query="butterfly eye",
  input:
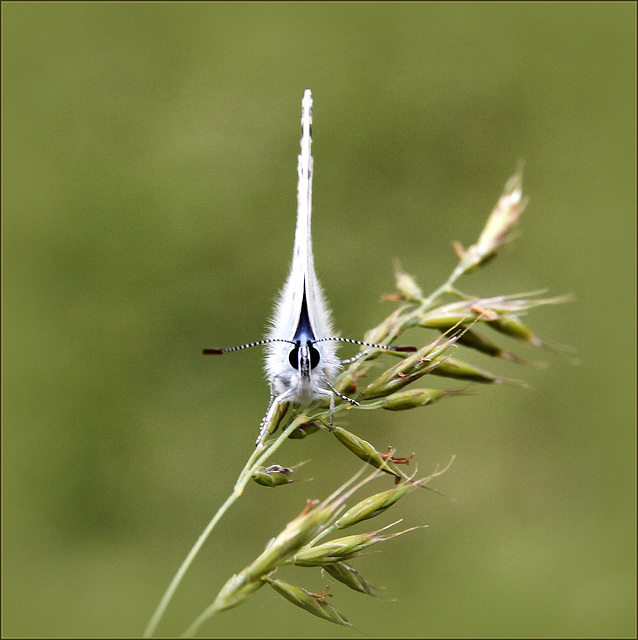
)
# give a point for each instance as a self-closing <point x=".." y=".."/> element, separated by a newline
<point x="314" y="356"/>
<point x="293" y="357"/>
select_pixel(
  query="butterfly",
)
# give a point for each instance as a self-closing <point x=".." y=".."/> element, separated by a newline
<point x="301" y="348"/>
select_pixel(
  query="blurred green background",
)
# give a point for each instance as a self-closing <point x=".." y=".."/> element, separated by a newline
<point x="149" y="203"/>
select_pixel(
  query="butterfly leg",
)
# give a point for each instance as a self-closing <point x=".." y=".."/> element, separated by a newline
<point x="331" y="394"/>
<point x="272" y="399"/>
<point x="343" y="397"/>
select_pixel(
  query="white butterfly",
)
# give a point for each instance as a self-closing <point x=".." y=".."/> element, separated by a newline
<point x="301" y="359"/>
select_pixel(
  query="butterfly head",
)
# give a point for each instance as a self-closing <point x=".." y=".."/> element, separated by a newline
<point x="304" y="357"/>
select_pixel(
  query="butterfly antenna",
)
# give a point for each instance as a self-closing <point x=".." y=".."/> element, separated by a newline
<point x="217" y="352"/>
<point x="385" y="347"/>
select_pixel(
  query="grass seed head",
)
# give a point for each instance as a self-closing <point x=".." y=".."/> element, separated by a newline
<point x="273" y="476"/>
<point x="406" y="285"/>
<point x="366" y="452"/>
<point x="295" y="535"/>
<point x="453" y="368"/>
<point x="498" y="228"/>
<point x="412" y="398"/>
<point x="345" y="574"/>
<point x="372" y="506"/>
<point x="238" y="588"/>
<point x="311" y="602"/>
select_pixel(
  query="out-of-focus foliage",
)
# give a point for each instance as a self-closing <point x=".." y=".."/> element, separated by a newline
<point x="149" y="193"/>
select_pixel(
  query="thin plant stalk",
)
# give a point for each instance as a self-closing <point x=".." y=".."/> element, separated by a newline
<point x="256" y="460"/>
